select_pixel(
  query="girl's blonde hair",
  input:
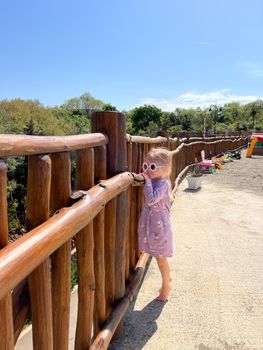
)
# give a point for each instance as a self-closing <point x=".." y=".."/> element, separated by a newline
<point x="162" y="156"/>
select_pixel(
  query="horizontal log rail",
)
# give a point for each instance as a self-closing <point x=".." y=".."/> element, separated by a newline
<point x="103" y="339"/>
<point x="23" y="145"/>
<point x="177" y="150"/>
<point x="145" y="139"/>
<point x="18" y="259"/>
<point x="162" y="139"/>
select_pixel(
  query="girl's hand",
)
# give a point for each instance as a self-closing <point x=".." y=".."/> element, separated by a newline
<point x="145" y="175"/>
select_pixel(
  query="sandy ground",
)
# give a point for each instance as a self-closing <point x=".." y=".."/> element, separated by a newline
<point x="246" y="174"/>
<point x="217" y="297"/>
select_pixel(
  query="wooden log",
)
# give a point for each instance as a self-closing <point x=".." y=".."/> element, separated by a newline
<point x="20" y="298"/>
<point x="122" y="232"/>
<point x="145" y="139"/>
<point x="21" y="145"/>
<point x="6" y="316"/>
<point x="140" y="197"/>
<point x="85" y="257"/>
<point x="110" y="124"/>
<point x="133" y="211"/>
<point x="113" y="125"/>
<point x="110" y="231"/>
<point x="129" y="165"/>
<point x="6" y="323"/>
<point x="99" y="248"/>
<point x="18" y="259"/>
<point x="173" y="170"/>
<point x="38" y="191"/>
<point x="179" y="179"/>
<point x="121" y="212"/>
<point x="104" y="337"/>
<point x="61" y="259"/>
<point x="122" y="223"/>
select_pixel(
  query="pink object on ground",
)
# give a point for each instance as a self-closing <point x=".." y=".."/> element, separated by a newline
<point x="207" y="164"/>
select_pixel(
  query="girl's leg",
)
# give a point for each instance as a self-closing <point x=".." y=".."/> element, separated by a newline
<point x="166" y="280"/>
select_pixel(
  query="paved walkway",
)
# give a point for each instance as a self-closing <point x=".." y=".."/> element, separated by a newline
<point x="217" y="297"/>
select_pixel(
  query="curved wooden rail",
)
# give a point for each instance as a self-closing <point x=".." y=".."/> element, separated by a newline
<point x="103" y="339"/>
<point x="23" y="256"/>
<point x="145" y="139"/>
<point x="204" y="143"/>
<point x="23" y="145"/>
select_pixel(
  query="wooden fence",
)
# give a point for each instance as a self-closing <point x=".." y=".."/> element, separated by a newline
<point x="102" y="214"/>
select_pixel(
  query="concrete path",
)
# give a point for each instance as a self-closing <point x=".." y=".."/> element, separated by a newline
<point x="25" y="341"/>
<point x="217" y="297"/>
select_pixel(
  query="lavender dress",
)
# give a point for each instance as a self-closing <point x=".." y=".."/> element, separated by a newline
<point x="155" y="228"/>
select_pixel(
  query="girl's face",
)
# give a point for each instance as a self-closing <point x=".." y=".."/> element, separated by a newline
<point x="154" y="168"/>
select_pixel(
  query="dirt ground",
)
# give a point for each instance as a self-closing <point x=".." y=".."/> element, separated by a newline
<point x="246" y="173"/>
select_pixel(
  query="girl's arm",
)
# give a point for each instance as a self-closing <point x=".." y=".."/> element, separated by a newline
<point x="153" y="196"/>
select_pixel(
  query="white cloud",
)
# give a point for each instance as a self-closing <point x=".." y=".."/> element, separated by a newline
<point x="193" y="99"/>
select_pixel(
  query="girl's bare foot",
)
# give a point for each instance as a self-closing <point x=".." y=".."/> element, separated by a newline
<point x="164" y="293"/>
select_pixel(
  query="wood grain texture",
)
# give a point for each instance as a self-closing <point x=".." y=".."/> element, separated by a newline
<point x="85" y="257"/>
<point x="22" y="145"/>
<point x="38" y="191"/>
<point x="99" y="246"/>
<point x="61" y="258"/>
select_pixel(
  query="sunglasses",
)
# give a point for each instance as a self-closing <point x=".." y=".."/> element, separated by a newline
<point x="151" y="166"/>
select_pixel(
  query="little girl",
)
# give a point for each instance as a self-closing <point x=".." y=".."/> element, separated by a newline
<point x="155" y="229"/>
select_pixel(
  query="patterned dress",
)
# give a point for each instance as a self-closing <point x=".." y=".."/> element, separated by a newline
<point x="155" y="228"/>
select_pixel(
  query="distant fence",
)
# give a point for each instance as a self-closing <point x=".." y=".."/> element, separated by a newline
<point x="102" y="215"/>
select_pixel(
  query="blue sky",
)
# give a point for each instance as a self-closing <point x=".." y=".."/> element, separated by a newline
<point x="165" y="52"/>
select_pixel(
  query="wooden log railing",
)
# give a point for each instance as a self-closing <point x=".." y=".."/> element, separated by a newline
<point x="103" y="220"/>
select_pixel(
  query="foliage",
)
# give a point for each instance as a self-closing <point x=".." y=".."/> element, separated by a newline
<point x="84" y="105"/>
<point x="73" y="122"/>
<point x="16" y="193"/>
<point x="74" y="274"/>
<point x="142" y="116"/>
<point x="196" y="170"/>
<point x="32" y="118"/>
<point x="152" y="129"/>
<point x="18" y="115"/>
<point x="73" y="117"/>
<point x="107" y="107"/>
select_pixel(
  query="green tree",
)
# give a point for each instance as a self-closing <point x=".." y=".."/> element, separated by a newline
<point x="143" y="115"/>
<point x="76" y="112"/>
<point x="107" y="107"/>
<point x="85" y="104"/>
<point x="16" y="116"/>
<point x="217" y="116"/>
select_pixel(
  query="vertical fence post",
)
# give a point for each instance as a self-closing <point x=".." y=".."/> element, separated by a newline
<point x="85" y="256"/>
<point x="129" y="164"/>
<point x="113" y="125"/>
<point x="38" y="191"/>
<point x="6" y="317"/>
<point x="99" y="248"/>
<point x="133" y="211"/>
<point x="61" y="259"/>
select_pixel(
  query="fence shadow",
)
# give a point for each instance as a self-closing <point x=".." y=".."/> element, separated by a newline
<point x="139" y="325"/>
